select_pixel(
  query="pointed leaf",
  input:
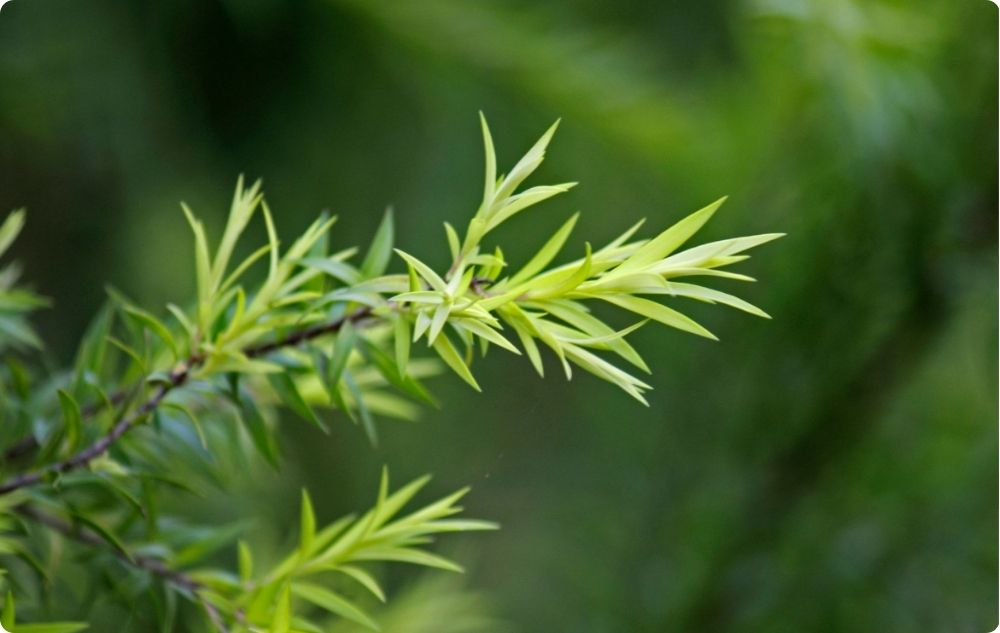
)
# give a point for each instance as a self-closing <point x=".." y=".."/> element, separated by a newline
<point x="333" y="603"/>
<point x="380" y="251"/>
<point x="451" y="357"/>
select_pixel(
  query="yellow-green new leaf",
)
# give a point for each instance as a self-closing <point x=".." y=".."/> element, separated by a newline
<point x="528" y="164"/>
<point x="659" y="312"/>
<point x="451" y="357"/>
<point x="281" y="622"/>
<point x="486" y="332"/>
<point x="245" y="562"/>
<point x="491" y="163"/>
<point x="307" y="522"/>
<point x="425" y="271"/>
<point x="546" y="254"/>
<point x="698" y="255"/>
<point x="10" y="229"/>
<point x="326" y="599"/>
<point x="668" y="241"/>
<point x="364" y="579"/>
<point x="709" y="295"/>
<point x="381" y="249"/>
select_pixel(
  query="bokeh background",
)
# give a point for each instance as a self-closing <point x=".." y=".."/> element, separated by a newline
<point x="834" y="469"/>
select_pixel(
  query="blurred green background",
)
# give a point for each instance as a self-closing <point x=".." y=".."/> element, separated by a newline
<point x="834" y="469"/>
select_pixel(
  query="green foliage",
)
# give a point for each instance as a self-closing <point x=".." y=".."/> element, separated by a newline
<point x="15" y="303"/>
<point x="155" y="403"/>
<point x="303" y="582"/>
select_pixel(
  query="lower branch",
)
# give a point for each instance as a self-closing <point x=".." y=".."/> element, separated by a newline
<point x="153" y="565"/>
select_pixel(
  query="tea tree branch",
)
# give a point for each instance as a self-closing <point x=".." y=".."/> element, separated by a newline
<point x="312" y="330"/>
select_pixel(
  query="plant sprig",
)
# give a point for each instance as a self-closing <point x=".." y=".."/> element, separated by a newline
<point x="311" y="330"/>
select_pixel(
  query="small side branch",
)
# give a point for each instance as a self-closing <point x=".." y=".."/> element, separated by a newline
<point x="28" y="444"/>
<point x="176" y="379"/>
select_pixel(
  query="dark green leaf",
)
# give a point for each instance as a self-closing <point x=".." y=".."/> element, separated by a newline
<point x="72" y="419"/>
<point x="284" y="386"/>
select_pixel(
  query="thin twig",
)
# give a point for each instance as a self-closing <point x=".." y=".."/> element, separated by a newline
<point x="155" y="566"/>
<point x="29" y="444"/>
<point x="176" y="378"/>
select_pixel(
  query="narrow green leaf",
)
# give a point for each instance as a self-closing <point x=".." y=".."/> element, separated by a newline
<point x="130" y="352"/>
<point x="10" y="229"/>
<point x="363" y="578"/>
<point x="454" y="245"/>
<point x="486" y="333"/>
<point x="402" y="343"/>
<point x="326" y="599"/>
<point x="408" y="555"/>
<point x="182" y="319"/>
<point x="51" y="627"/>
<point x="180" y="408"/>
<point x="19" y="331"/>
<point x="390" y="370"/>
<point x="8" y="617"/>
<point x="668" y="241"/>
<point x="284" y="385"/>
<point x="603" y="369"/>
<point x="380" y="251"/>
<point x="491" y="162"/>
<point x="307" y="522"/>
<point x="245" y="562"/>
<point x="282" y="620"/>
<point x="262" y="602"/>
<point x="72" y="418"/>
<point x="342" y="347"/>
<point x="260" y="433"/>
<point x="203" y="265"/>
<point x="527" y="165"/>
<point x="425" y="271"/>
<point x="367" y="422"/>
<point x="272" y="240"/>
<point x="244" y="204"/>
<point x="438" y="321"/>
<point x="709" y="295"/>
<point x="249" y="261"/>
<point x="517" y="203"/>
<point x="321" y="364"/>
<point x="389" y="505"/>
<point x="443" y="346"/>
<point x="658" y="312"/>
<point x="699" y="255"/>
<point x="602" y="342"/>
<point x="154" y="325"/>
<point x="577" y="315"/>
<point x="580" y="274"/>
<point x="530" y="347"/>
<point x="547" y="253"/>
<point x="107" y="535"/>
<point x="341" y="271"/>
